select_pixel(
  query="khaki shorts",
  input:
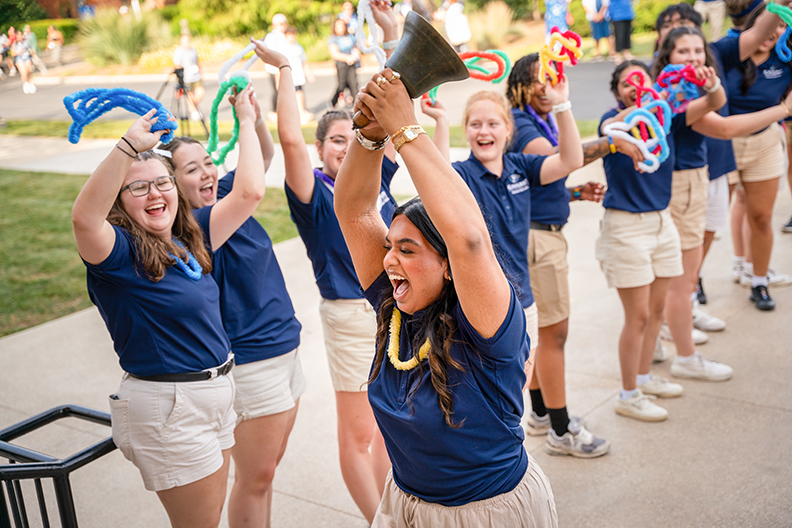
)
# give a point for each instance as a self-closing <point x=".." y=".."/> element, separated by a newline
<point x="532" y="325"/>
<point x="174" y="433"/>
<point x="635" y="248"/>
<point x="350" y="327"/>
<point x="759" y="157"/>
<point x="530" y="504"/>
<point x="269" y="386"/>
<point x="549" y="271"/>
<point x="688" y="205"/>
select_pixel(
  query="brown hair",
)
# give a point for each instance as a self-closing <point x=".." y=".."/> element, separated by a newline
<point x="498" y="99"/>
<point x="172" y="146"/>
<point x="437" y="324"/>
<point x="669" y="44"/>
<point x="153" y="252"/>
<point x="328" y="119"/>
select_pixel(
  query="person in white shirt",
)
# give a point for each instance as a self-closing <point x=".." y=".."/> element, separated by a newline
<point x="301" y="72"/>
<point x="276" y="41"/>
<point x="186" y="57"/>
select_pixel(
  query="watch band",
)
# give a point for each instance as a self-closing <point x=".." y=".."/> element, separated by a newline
<point x="406" y="134"/>
<point x="368" y="144"/>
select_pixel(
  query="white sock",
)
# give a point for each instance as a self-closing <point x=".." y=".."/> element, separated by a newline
<point x="693" y="298"/>
<point x="640" y="379"/>
<point x="627" y="394"/>
<point x="748" y="267"/>
<point x="687" y="359"/>
<point x="758" y="281"/>
<point x="738" y="261"/>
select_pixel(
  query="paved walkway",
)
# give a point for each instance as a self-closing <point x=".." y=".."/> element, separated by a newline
<point x="723" y="458"/>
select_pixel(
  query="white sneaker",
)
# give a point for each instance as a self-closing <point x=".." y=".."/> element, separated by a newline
<point x="195" y="116"/>
<point x="773" y="279"/>
<point x="25" y="88"/>
<point x="536" y="425"/>
<point x="704" y="321"/>
<point x="699" y="337"/>
<point x="737" y="272"/>
<point x="660" y="352"/>
<point x="661" y="387"/>
<point x="577" y="442"/>
<point x="701" y="368"/>
<point x="32" y="88"/>
<point x="641" y="407"/>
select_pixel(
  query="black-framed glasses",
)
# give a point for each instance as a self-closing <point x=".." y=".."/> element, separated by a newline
<point x="338" y="141"/>
<point x="143" y="187"/>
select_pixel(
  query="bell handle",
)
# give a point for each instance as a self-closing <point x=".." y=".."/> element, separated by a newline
<point x="360" y="120"/>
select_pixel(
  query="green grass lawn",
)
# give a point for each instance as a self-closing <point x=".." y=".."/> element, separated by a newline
<point x="41" y="274"/>
<point x="115" y="129"/>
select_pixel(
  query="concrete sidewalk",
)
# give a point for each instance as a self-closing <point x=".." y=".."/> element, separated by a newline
<point x="723" y="458"/>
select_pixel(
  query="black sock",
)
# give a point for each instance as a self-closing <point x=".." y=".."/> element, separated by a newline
<point x="559" y="420"/>
<point x="537" y="402"/>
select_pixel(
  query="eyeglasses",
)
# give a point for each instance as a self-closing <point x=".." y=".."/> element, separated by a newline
<point x="338" y="141"/>
<point x="143" y="187"/>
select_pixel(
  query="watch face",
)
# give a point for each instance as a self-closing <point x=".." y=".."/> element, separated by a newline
<point x="410" y="134"/>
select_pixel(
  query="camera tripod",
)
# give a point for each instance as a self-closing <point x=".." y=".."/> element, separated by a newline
<point x="179" y="106"/>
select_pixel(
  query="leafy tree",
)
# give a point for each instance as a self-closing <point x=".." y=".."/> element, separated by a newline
<point x="15" y="11"/>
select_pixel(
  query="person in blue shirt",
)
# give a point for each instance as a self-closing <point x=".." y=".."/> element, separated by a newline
<point x="257" y="311"/>
<point x="149" y="276"/>
<point x="621" y="14"/>
<point x="536" y="133"/>
<point x="755" y="79"/>
<point x="343" y="50"/>
<point x="348" y="322"/>
<point x="446" y="383"/>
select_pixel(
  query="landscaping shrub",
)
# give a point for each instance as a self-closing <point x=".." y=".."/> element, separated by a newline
<point x="68" y="26"/>
<point x="110" y="38"/>
<point x="492" y="26"/>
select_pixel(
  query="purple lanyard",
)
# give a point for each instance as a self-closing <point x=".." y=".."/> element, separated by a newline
<point x="551" y="130"/>
<point x="324" y="177"/>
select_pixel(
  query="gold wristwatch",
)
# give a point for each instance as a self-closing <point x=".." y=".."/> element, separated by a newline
<point x="406" y="134"/>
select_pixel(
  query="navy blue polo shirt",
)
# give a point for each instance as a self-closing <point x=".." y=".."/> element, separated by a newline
<point x="320" y="232"/>
<point x="549" y="203"/>
<point x="720" y="154"/>
<point x="772" y="78"/>
<point x="172" y="326"/>
<point x="258" y="315"/>
<point x="691" y="147"/>
<point x="505" y="202"/>
<point x="632" y="191"/>
<point x="482" y="458"/>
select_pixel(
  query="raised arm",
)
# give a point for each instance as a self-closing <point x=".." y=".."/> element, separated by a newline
<point x="478" y="279"/>
<point x="712" y="102"/>
<point x="264" y="137"/>
<point x="299" y="174"/>
<point x="592" y="150"/>
<point x="240" y="203"/>
<point x="94" y="235"/>
<point x="764" y="27"/>
<point x="442" y="134"/>
<point x="719" y="127"/>
<point x="570" y="154"/>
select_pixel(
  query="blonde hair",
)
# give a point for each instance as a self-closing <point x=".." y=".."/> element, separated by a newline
<point x="500" y="101"/>
<point x="153" y="252"/>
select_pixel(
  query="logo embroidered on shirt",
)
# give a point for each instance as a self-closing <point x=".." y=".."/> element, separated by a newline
<point x="773" y="72"/>
<point x="382" y="199"/>
<point x="518" y="184"/>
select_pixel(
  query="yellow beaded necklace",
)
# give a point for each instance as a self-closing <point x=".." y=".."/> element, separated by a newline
<point x="393" y="345"/>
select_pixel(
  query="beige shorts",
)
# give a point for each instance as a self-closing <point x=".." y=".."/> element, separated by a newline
<point x="269" y="386"/>
<point x="635" y="248"/>
<point x="529" y="505"/>
<point x="759" y="157"/>
<point x="350" y="327"/>
<point x="532" y="325"/>
<point x="174" y="433"/>
<point x="549" y="271"/>
<point x="688" y="205"/>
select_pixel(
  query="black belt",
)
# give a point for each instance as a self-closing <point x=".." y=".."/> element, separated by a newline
<point x="547" y="227"/>
<point x="203" y="375"/>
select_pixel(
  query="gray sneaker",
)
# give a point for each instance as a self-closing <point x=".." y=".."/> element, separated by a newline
<point x="536" y="425"/>
<point x="577" y="442"/>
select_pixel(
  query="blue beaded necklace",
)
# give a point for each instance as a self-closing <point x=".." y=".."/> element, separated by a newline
<point x="191" y="268"/>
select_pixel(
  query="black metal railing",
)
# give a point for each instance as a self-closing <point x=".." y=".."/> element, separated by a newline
<point x="26" y="464"/>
